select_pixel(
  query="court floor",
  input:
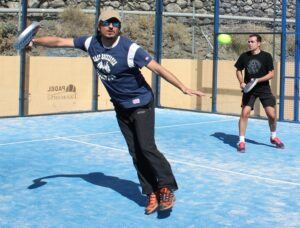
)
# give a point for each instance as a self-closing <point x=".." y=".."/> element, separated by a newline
<point x="74" y="171"/>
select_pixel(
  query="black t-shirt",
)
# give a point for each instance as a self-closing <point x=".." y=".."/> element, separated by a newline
<point x="255" y="66"/>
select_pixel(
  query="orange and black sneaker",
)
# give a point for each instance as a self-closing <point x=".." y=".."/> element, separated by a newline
<point x="166" y="199"/>
<point x="241" y="147"/>
<point x="277" y="142"/>
<point x="152" y="203"/>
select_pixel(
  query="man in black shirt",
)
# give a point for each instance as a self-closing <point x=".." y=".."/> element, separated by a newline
<point x="256" y="64"/>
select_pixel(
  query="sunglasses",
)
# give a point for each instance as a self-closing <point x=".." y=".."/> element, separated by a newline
<point x="116" y="24"/>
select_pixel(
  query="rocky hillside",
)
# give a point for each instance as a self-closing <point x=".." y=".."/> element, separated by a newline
<point x="184" y="37"/>
<point x="258" y="8"/>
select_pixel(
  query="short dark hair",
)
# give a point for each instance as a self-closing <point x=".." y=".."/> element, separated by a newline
<point x="258" y="37"/>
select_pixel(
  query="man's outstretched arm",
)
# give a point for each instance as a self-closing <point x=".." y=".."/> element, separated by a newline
<point x="171" y="78"/>
<point x="52" y="42"/>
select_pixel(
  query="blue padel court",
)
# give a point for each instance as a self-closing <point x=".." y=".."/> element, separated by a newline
<point x="75" y="171"/>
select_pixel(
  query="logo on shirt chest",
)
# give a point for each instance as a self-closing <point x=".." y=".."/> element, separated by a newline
<point x="103" y="67"/>
<point x="104" y="63"/>
<point x="253" y="66"/>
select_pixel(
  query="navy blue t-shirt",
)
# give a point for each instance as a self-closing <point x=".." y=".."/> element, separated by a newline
<point x="118" y="67"/>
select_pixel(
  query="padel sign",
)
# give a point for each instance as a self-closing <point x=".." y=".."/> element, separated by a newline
<point x="62" y="92"/>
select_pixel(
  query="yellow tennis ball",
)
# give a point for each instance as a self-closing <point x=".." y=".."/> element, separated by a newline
<point x="224" y="39"/>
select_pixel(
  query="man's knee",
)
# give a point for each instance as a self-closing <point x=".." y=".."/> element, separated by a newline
<point x="246" y="113"/>
<point x="271" y="113"/>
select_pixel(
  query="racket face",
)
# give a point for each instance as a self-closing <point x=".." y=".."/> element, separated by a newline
<point x="250" y="85"/>
<point x="26" y="36"/>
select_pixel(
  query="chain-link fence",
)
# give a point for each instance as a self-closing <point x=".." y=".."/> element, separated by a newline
<point x="187" y="51"/>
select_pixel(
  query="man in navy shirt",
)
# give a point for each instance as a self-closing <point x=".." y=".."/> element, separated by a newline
<point x="117" y="62"/>
<point x="256" y="64"/>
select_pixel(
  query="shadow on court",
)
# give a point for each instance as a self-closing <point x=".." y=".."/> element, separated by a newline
<point x="232" y="140"/>
<point x="126" y="188"/>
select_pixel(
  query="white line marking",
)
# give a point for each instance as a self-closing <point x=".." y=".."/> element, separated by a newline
<point x="236" y="173"/>
<point x="201" y="166"/>
<point x="174" y="161"/>
<point x="29" y="141"/>
<point x="91" y="144"/>
<point x="99" y="133"/>
<point x="178" y="125"/>
<point x="106" y="133"/>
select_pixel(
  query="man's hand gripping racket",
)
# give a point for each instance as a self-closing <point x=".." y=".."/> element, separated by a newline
<point x="250" y="85"/>
<point x="26" y="36"/>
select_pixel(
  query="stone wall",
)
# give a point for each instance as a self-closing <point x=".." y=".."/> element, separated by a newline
<point x="257" y="8"/>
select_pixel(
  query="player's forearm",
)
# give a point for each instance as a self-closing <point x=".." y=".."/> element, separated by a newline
<point x="266" y="77"/>
<point x="239" y="76"/>
<point x="171" y="78"/>
<point x="50" y="41"/>
<point x="167" y="75"/>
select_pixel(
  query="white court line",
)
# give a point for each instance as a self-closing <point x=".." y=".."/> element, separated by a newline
<point x="167" y="126"/>
<point x="106" y="133"/>
<point x="236" y="173"/>
<point x="29" y="141"/>
<point x="178" y="125"/>
<point x="99" y="133"/>
<point x="201" y="166"/>
<point x="91" y="144"/>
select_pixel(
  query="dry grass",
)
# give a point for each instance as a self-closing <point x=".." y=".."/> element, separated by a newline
<point x="8" y="33"/>
<point x="73" y="22"/>
<point x="140" y="29"/>
<point x="290" y="45"/>
<point x="177" y="41"/>
<point x="239" y="42"/>
<point x="176" y="35"/>
<point x="177" y="32"/>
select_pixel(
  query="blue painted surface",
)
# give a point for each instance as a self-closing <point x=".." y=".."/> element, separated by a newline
<point x="75" y="171"/>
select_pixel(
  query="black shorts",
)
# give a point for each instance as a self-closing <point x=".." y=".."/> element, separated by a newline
<point x="265" y="96"/>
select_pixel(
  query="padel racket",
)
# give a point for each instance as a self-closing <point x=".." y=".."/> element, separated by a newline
<point x="26" y="36"/>
<point x="250" y="85"/>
